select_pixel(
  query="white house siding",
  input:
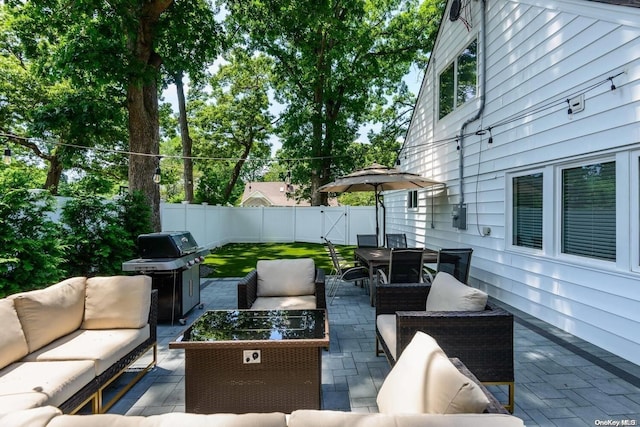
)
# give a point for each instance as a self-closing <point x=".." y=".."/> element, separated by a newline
<point x="539" y="53"/>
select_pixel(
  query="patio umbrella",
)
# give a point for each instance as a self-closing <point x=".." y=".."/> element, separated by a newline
<point x="377" y="178"/>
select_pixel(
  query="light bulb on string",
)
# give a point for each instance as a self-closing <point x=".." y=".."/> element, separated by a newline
<point x="570" y="111"/>
<point x="157" y="175"/>
<point x="6" y="158"/>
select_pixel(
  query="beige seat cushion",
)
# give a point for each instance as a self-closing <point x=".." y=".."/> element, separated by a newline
<point x="117" y="302"/>
<point x="386" y="325"/>
<point x="35" y="417"/>
<point x="449" y="294"/>
<point x="286" y="277"/>
<point x="325" y="418"/>
<point x="24" y="385"/>
<point x="103" y="347"/>
<point x="14" y="344"/>
<point x="423" y="380"/>
<point x="304" y="302"/>
<point x="47" y="314"/>
<point x="275" y="419"/>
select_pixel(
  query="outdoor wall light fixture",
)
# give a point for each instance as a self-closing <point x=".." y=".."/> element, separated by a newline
<point x="6" y="158"/>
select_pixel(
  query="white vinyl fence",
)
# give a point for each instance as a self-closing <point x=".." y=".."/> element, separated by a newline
<point x="214" y="226"/>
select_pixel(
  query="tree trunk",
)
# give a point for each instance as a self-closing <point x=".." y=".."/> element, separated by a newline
<point x="187" y="143"/>
<point x="144" y="137"/>
<point x="236" y="171"/>
<point x="53" y="175"/>
<point x="142" y="103"/>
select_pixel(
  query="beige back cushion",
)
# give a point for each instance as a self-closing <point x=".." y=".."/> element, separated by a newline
<point x="424" y="381"/>
<point x="449" y="294"/>
<point x="13" y="344"/>
<point x="50" y="313"/>
<point x="286" y="277"/>
<point x="117" y="302"/>
<point x="404" y="388"/>
<point x="451" y="392"/>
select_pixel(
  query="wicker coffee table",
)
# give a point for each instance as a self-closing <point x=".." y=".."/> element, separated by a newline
<point x="241" y="361"/>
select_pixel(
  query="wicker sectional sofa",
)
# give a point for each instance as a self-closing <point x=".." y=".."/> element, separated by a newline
<point x="425" y="388"/>
<point x="63" y="345"/>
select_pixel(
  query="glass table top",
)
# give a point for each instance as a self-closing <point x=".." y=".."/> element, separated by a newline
<point x="250" y="325"/>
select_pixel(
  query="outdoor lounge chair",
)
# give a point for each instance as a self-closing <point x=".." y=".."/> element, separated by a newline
<point x="283" y="284"/>
<point x="483" y="339"/>
<point x="343" y="272"/>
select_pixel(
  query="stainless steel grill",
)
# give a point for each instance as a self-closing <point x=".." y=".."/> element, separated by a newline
<point x="172" y="260"/>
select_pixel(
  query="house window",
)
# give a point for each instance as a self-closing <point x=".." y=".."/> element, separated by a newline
<point x="458" y="82"/>
<point x="527" y="211"/>
<point x="589" y="211"/>
<point x="412" y="199"/>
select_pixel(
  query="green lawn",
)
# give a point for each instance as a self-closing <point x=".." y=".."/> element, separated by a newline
<point x="237" y="259"/>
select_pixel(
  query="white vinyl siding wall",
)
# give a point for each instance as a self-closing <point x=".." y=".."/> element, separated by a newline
<point x="538" y="55"/>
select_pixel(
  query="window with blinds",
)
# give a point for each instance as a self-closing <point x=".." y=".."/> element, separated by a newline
<point x="527" y="211"/>
<point x="589" y="211"/>
<point x="412" y="199"/>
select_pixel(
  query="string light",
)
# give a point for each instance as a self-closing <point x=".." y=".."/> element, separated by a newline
<point x="157" y="175"/>
<point x="570" y="110"/>
<point x="6" y="158"/>
<point x="415" y="149"/>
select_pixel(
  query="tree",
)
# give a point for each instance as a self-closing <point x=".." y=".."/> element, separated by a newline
<point x="234" y="124"/>
<point x="334" y="61"/>
<point x="186" y="50"/>
<point x="47" y="113"/>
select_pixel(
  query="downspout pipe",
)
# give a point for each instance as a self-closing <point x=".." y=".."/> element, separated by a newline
<point x="483" y="87"/>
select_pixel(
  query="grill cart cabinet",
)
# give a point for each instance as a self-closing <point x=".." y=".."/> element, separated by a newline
<point x="172" y="260"/>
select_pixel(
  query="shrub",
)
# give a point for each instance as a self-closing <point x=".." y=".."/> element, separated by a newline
<point x="100" y="235"/>
<point x="31" y="252"/>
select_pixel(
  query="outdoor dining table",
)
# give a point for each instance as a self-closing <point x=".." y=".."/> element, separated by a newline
<point x="375" y="258"/>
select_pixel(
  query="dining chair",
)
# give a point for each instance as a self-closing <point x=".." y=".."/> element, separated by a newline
<point x="343" y="272"/>
<point x="367" y="240"/>
<point x="456" y="262"/>
<point x="405" y="266"/>
<point x="396" y="240"/>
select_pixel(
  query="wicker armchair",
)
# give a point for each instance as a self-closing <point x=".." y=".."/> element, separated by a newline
<point x="248" y="289"/>
<point x="482" y="340"/>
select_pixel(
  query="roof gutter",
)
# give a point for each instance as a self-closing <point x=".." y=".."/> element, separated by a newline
<point x="462" y="223"/>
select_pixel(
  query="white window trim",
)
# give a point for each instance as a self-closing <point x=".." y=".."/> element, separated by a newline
<point x="576" y="259"/>
<point x="509" y="211"/>
<point x="633" y="237"/>
<point x="454" y="61"/>
<point x="413" y="208"/>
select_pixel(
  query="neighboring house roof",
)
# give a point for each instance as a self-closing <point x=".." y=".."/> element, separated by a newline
<point x="273" y="194"/>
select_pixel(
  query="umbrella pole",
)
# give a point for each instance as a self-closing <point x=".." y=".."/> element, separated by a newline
<point x="375" y="192"/>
